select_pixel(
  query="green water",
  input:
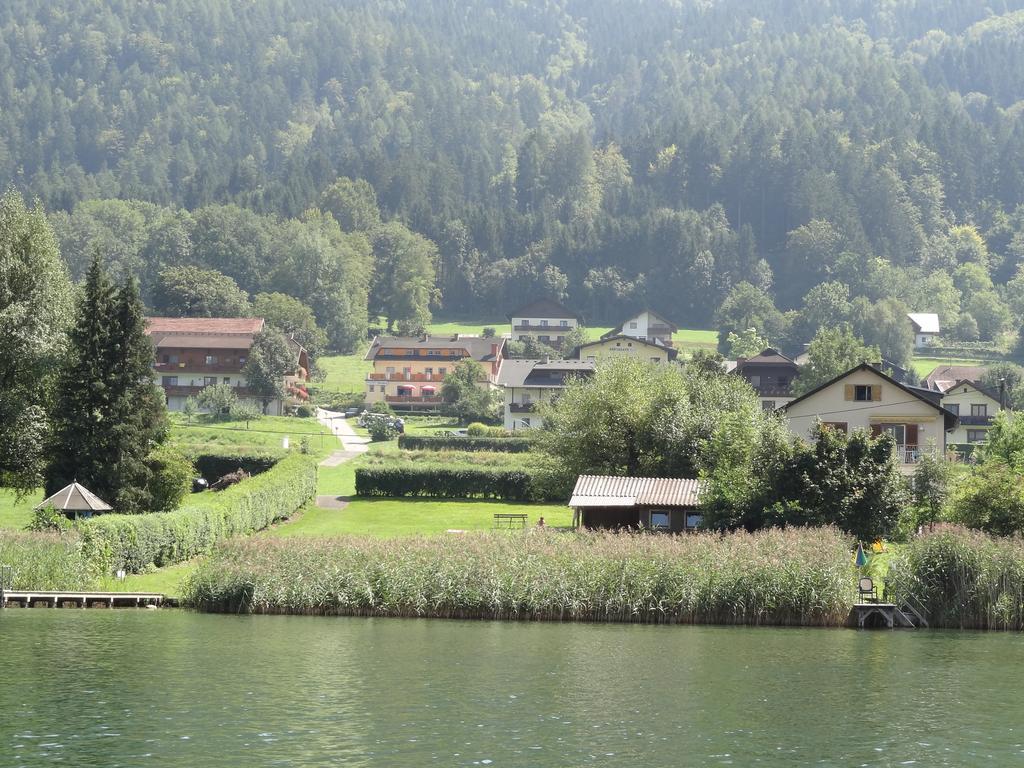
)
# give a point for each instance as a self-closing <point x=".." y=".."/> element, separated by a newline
<point x="171" y="688"/>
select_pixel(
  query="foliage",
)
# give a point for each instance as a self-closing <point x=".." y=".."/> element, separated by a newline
<point x="851" y="481"/>
<point x="219" y="400"/>
<point x="134" y="542"/>
<point x="798" y="577"/>
<point x="213" y="466"/>
<point x="46" y="560"/>
<point x="930" y="489"/>
<point x="999" y="375"/>
<point x="195" y="292"/>
<point x="49" y="519"/>
<point x="446" y="483"/>
<point x="190" y="409"/>
<point x="171" y="478"/>
<point x="110" y="416"/>
<point x="506" y="443"/>
<point x="292" y="318"/>
<point x="963" y="579"/>
<point x="35" y="312"/>
<point x="381" y="428"/>
<point x="352" y="203"/>
<point x="638" y="418"/>
<point x="749" y="343"/>
<point x="833" y="351"/>
<point x="403" y="286"/>
<point x="467" y="395"/>
<point x="991" y="499"/>
<point x="270" y="359"/>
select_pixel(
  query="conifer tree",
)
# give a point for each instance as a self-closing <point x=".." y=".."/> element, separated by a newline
<point x="110" y="416"/>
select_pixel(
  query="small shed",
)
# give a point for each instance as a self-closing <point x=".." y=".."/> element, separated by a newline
<point x="655" y="503"/>
<point x="76" y="502"/>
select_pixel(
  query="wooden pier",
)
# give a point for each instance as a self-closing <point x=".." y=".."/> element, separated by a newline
<point x="10" y="598"/>
<point x="885" y="616"/>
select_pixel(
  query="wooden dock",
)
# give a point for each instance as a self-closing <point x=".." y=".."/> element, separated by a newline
<point x="10" y="598"/>
<point x="885" y="616"/>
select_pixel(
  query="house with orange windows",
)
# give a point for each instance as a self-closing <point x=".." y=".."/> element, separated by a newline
<point x="408" y="371"/>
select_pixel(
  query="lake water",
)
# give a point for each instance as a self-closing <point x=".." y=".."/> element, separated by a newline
<point x="172" y="688"/>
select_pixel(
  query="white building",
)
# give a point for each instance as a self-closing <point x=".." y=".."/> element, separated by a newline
<point x="976" y="406"/>
<point x="648" y="326"/>
<point x="926" y="327"/>
<point x="865" y="398"/>
<point x="527" y="383"/>
<point x="544" y="320"/>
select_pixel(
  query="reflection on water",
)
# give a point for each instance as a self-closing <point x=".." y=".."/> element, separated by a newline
<point x="110" y="688"/>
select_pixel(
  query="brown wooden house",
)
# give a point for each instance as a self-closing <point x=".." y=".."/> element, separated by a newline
<point x="654" y="503"/>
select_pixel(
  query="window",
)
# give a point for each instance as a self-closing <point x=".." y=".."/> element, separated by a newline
<point x="226" y="380"/>
<point x="544" y="323"/>
<point x="433" y="352"/>
<point x="953" y="408"/>
<point x="838" y="426"/>
<point x="241" y="360"/>
<point x="768" y="405"/>
<point x="694" y="521"/>
<point x="390" y="369"/>
<point x="428" y="371"/>
<point x="211" y="359"/>
<point x="209" y="381"/>
<point x="560" y="339"/>
<point x="977" y="435"/>
<point x="863" y="392"/>
<point x="526" y="321"/>
<point x="632" y="326"/>
<point x="564" y="323"/>
<point x="442" y="371"/>
<point x="525" y="423"/>
<point x="544" y="339"/>
<point x="526" y="398"/>
<point x="169" y="381"/>
<point x="660" y="520"/>
<point x="755" y="381"/>
<point x="898" y="431"/>
<point x="979" y="410"/>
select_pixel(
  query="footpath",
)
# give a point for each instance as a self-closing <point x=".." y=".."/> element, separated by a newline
<point x="351" y="446"/>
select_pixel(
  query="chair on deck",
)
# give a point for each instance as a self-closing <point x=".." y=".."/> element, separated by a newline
<point x="866" y="590"/>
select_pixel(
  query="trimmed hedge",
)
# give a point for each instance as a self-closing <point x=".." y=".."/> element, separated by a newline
<point x="455" y="443"/>
<point x="438" y="483"/>
<point x="214" y="466"/>
<point x="134" y="542"/>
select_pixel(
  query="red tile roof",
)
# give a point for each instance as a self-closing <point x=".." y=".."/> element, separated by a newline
<point x="217" y="325"/>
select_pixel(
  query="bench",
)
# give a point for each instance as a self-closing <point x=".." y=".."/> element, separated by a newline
<point x="501" y="518"/>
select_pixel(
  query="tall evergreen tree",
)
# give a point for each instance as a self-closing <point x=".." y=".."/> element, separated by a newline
<point x="109" y="415"/>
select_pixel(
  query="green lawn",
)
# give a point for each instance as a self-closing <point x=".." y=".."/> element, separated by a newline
<point x="925" y="365"/>
<point x="387" y="518"/>
<point x="345" y="373"/>
<point x="264" y="435"/>
<point x="14" y="513"/>
<point x="167" y="581"/>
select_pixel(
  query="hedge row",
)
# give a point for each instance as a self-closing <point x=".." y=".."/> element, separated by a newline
<point x="440" y="483"/>
<point x="455" y="443"/>
<point x="134" y="542"/>
<point x="214" y="466"/>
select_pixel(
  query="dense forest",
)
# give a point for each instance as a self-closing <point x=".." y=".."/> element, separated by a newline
<point x="778" y="164"/>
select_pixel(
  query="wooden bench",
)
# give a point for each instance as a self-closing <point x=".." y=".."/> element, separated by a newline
<point x="502" y="517"/>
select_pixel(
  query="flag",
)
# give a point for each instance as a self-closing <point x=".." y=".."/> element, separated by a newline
<point x="862" y="559"/>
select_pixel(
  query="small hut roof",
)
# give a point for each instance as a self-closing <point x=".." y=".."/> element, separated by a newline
<point x="75" y="497"/>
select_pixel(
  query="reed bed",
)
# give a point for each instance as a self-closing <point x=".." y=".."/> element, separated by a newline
<point x="964" y="579"/>
<point x="45" y="561"/>
<point x="796" y="577"/>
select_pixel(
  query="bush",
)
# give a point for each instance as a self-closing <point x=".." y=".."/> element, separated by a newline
<point x="304" y="411"/>
<point x="48" y="519"/>
<point x="382" y="407"/>
<point x="800" y="577"/>
<point x="455" y="443"/>
<point x="46" y="560"/>
<point x="381" y="429"/>
<point x="134" y="542"/>
<point x="171" y="480"/>
<point x="215" y="465"/>
<point x="445" y="483"/>
<point x="991" y="498"/>
<point x="963" y="579"/>
<point x="476" y="429"/>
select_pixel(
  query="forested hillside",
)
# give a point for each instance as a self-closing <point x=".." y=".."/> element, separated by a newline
<point x="776" y="163"/>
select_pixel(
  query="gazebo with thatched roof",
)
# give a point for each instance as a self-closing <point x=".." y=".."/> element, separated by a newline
<point x="76" y="502"/>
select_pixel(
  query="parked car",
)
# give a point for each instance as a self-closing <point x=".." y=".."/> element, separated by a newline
<point x="350" y="412"/>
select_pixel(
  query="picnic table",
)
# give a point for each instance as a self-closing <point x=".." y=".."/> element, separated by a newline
<point x="503" y="518"/>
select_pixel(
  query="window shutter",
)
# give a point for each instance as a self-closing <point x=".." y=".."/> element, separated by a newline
<point x="912" y="434"/>
<point x="876" y="392"/>
<point x="876" y="430"/>
<point x="848" y="391"/>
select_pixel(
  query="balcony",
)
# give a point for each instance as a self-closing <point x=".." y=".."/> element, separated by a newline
<point x="522" y="408"/>
<point x="187" y="390"/>
<point x="197" y="367"/>
<point x="436" y="377"/>
<point x="414" y="399"/>
<point x="773" y="390"/>
<point x="976" y="421"/>
<point x="555" y="329"/>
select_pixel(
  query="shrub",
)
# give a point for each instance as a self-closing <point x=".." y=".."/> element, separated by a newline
<point x="991" y="498"/>
<point x="304" y="411"/>
<point x="444" y="483"/>
<point x="455" y="443"/>
<point x="46" y="560"/>
<point x="963" y="579"/>
<point x="476" y="429"/>
<point x="171" y="480"/>
<point x="382" y="407"/>
<point x="215" y="465"/>
<point x="381" y="429"/>
<point x="134" y="542"/>
<point x="801" y="576"/>
<point x="48" y="519"/>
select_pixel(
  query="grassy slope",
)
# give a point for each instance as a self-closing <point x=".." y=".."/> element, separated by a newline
<point x="925" y="365"/>
<point x="14" y="513"/>
<point x="263" y="435"/>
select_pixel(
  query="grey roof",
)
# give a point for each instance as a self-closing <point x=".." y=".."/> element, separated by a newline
<point x="768" y="357"/>
<point x="75" y="497"/>
<point x="545" y="308"/>
<point x="610" y="491"/>
<point x="477" y="347"/>
<point x="540" y="373"/>
<point x="943" y="377"/>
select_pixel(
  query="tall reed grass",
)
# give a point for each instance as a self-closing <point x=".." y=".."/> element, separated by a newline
<point x="798" y="577"/>
<point x="964" y="579"/>
<point x="45" y="560"/>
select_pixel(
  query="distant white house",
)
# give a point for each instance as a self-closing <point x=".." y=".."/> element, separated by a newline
<point x="926" y="327"/>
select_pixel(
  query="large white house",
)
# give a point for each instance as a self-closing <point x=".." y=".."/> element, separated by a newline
<point x="976" y="406"/>
<point x="544" y="320"/>
<point x="648" y="326"/>
<point x="527" y="383"/>
<point x="865" y="398"/>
